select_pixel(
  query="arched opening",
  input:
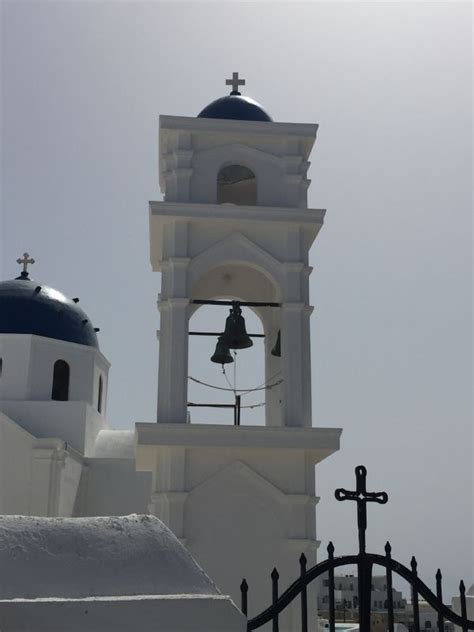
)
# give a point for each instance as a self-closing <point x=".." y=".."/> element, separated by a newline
<point x="236" y="184"/>
<point x="60" y="390"/>
<point x="212" y="384"/>
<point x="252" y="369"/>
<point x="100" y="394"/>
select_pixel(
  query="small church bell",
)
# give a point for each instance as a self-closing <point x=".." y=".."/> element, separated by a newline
<point x="222" y="354"/>
<point x="276" y="351"/>
<point x="235" y="335"/>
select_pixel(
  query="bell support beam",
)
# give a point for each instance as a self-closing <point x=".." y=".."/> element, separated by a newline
<point x="231" y="303"/>
<point x="217" y="334"/>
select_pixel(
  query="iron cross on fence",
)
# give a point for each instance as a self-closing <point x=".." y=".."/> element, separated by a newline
<point x="362" y="497"/>
<point x="235" y="82"/>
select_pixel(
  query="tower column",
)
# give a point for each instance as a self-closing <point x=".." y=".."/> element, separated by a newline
<point x="173" y="366"/>
<point x="296" y="365"/>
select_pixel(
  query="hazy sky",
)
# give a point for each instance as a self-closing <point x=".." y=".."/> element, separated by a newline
<point x="83" y="84"/>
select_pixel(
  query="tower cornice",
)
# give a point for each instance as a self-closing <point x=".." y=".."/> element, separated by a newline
<point x="190" y="123"/>
<point x="192" y="210"/>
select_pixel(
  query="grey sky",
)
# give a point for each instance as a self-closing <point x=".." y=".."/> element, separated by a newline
<point x="390" y="85"/>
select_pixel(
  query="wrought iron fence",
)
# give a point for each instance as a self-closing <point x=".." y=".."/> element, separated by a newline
<point x="365" y="563"/>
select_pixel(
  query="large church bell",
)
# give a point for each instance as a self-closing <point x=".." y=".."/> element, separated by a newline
<point x="235" y="335"/>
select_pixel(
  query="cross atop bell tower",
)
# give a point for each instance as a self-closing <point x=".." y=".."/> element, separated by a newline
<point x="235" y="82"/>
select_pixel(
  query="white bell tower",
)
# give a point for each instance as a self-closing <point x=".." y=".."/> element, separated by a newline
<point x="234" y="225"/>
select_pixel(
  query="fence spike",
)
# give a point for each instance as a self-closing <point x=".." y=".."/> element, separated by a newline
<point x="388" y="549"/>
<point x="275" y="575"/>
<point x="243" y="596"/>
<point x="462" y="599"/>
<point x="413" y="564"/>
<point x="303" y="560"/>
<point x="439" y="595"/>
<point x="330" y="549"/>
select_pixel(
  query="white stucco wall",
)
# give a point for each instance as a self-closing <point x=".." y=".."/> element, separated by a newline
<point x="112" y="486"/>
<point x="192" y="151"/>
<point x="76" y="423"/>
<point x="16" y="447"/>
<point x="28" y="363"/>
<point x="38" y="476"/>
<point x="173" y="613"/>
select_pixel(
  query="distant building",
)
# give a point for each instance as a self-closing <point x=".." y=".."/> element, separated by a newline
<point x="469" y="605"/>
<point x="347" y="598"/>
<point x="428" y="618"/>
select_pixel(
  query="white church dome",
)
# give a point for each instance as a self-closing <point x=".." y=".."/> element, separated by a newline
<point x="88" y="557"/>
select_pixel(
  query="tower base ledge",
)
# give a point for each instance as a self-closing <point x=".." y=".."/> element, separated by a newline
<point x="317" y="443"/>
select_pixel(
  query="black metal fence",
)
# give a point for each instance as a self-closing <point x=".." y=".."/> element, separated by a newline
<point x="365" y="563"/>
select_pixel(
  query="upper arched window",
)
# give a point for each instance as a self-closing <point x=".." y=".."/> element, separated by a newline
<point x="60" y="390"/>
<point x="236" y="184"/>
<point x="100" y="394"/>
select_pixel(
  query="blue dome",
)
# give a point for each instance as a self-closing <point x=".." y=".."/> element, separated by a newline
<point x="29" y="308"/>
<point x="237" y="107"/>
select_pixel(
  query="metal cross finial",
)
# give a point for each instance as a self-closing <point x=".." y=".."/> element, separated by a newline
<point x="235" y="82"/>
<point x="362" y="497"/>
<point x="25" y="261"/>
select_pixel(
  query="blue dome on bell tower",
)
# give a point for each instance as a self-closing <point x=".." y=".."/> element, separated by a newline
<point x="235" y="106"/>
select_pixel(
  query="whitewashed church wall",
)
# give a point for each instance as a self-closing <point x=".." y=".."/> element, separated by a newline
<point x="176" y="613"/>
<point x="45" y="352"/>
<point x="111" y="487"/>
<point x="237" y="281"/>
<point x="193" y="151"/>
<point x="70" y="477"/>
<point x="37" y="476"/>
<point x="280" y="467"/>
<point x="257" y="527"/>
<point x="15" y="355"/>
<point x="15" y="467"/>
<point x="273" y="239"/>
<point x="48" y="458"/>
<point x="271" y="190"/>
<point x="81" y="359"/>
<point x="28" y="364"/>
<point x="76" y="423"/>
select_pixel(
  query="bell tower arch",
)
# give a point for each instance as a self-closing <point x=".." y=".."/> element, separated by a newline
<point x="235" y="226"/>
